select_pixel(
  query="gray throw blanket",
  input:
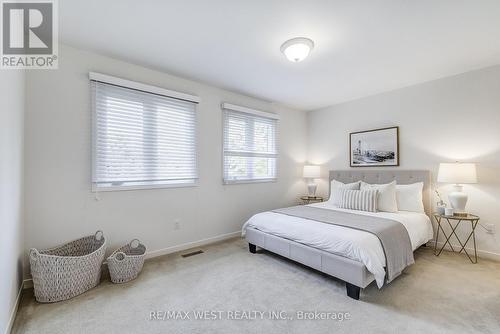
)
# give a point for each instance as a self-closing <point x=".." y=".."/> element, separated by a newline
<point x="392" y="234"/>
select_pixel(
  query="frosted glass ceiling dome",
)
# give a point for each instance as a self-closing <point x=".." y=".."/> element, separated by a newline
<point x="297" y="49"/>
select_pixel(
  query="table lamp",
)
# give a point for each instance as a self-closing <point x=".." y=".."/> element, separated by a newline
<point x="457" y="173"/>
<point x="311" y="172"/>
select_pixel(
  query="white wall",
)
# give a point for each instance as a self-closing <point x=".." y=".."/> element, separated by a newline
<point x="456" y="118"/>
<point x="59" y="203"/>
<point x="12" y="94"/>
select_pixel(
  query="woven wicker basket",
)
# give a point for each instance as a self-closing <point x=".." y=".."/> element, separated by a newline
<point x="126" y="262"/>
<point x="66" y="271"/>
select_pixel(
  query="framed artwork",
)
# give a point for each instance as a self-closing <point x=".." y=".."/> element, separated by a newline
<point x="378" y="147"/>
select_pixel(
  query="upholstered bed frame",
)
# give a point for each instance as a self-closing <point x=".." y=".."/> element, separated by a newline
<point x="354" y="273"/>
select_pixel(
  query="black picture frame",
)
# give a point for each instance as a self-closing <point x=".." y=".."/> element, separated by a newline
<point x="382" y="151"/>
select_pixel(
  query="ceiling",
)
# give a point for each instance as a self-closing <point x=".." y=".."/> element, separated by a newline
<point x="362" y="47"/>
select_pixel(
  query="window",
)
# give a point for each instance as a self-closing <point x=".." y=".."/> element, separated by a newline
<point x="143" y="136"/>
<point x="249" y="145"/>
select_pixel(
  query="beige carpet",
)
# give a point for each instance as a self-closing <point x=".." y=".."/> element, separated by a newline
<point x="445" y="294"/>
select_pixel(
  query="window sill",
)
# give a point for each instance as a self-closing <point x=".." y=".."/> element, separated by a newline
<point x="96" y="189"/>
<point x="225" y="182"/>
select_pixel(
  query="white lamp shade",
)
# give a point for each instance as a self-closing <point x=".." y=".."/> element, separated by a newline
<point x="457" y="172"/>
<point x="311" y="172"/>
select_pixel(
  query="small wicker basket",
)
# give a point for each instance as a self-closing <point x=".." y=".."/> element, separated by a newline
<point x="126" y="262"/>
<point x="66" y="271"/>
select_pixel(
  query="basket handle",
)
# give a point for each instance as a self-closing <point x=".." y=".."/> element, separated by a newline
<point x="136" y="244"/>
<point x="98" y="235"/>
<point x="120" y="256"/>
<point x="34" y="254"/>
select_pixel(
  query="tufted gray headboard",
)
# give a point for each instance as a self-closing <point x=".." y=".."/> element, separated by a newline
<point x="386" y="176"/>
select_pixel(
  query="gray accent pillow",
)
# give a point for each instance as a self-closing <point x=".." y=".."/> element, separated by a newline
<point x="363" y="200"/>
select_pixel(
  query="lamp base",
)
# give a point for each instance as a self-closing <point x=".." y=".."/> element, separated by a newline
<point x="458" y="199"/>
<point x="311" y="189"/>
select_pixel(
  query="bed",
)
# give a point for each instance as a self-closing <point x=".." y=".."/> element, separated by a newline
<point x="354" y="256"/>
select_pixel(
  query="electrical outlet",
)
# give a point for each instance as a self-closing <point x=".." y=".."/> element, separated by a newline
<point x="490" y="228"/>
<point x="177" y="224"/>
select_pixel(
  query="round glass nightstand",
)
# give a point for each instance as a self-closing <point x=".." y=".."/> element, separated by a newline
<point x="311" y="199"/>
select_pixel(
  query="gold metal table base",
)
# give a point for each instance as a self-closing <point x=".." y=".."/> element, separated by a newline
<point x="474" y="220"/>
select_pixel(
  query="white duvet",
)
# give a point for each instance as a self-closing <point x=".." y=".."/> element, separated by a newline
<point x="354" y="244"/>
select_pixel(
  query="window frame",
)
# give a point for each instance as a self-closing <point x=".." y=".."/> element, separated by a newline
<point x="257" y="113"/>
<point x="144" y="88"/>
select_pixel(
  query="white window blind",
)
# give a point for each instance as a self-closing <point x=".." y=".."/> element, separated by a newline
<point x="249" y="146"/>
<point x="141" y="139"/>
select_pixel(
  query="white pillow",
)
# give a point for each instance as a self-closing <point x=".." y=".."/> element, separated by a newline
<point x="386" y="195"/>
<point x="409" y="197"/>
<point x="335" y="196"/>
<point x="364" y="200"/>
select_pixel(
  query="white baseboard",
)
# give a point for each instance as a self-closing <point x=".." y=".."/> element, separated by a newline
<point x="198" y="243"/>
<point x="480" y="253"/>
<point x="13" y="312"/>
<point x="28" y="283"/>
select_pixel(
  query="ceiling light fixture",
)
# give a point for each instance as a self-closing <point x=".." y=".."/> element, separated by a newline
<point x="297" y="49"/>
